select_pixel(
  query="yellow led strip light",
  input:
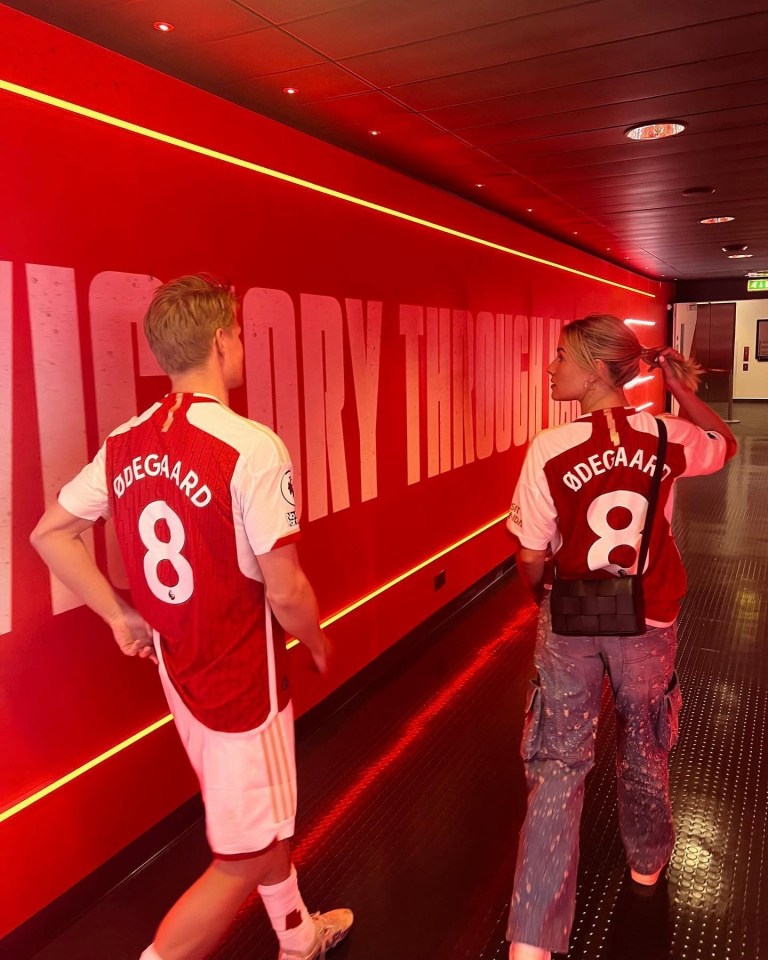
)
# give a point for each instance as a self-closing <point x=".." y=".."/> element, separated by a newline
<point x="403" y="576"/>
<point x="62" y="781"/>
<point x="287" y="178"/>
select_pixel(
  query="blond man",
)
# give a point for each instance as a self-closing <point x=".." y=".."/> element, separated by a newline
<point x="202" y="501"/>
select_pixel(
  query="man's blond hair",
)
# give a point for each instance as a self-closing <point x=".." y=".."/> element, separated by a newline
<point x="183" y="318"/>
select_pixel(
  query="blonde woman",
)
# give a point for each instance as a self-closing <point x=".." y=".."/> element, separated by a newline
<point x="582" y="497"/>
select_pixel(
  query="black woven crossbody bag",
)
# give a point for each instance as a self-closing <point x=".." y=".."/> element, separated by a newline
<point x="612" y="606"/>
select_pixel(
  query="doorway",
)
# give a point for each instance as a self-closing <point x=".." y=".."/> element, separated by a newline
<point x="707" y="333"/>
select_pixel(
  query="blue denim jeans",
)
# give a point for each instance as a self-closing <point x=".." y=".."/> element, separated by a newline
<point x="558" y="749"/>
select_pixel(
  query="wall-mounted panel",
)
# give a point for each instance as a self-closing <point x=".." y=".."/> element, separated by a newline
<point x="397" y="338"/>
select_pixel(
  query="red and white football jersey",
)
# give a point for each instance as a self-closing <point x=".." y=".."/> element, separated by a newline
<point x="583" y="492"/>
<point x="197" y="493"/>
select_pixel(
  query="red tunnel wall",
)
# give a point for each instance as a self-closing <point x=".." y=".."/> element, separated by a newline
<point x="406" y="374"/>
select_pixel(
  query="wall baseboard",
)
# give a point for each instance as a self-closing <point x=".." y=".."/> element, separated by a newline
<point x="29" y="938"/>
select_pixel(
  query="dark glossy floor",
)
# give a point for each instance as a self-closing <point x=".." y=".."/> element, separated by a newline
<point x="411" y="796"/>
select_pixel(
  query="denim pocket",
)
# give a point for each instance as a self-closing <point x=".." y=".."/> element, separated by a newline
<point x="531" y="743"/>
<point x="668" y="722"/>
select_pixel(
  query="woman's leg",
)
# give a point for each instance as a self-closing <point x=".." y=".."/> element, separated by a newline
<point x="647" y="704"/>
<point x="558" y="750"/>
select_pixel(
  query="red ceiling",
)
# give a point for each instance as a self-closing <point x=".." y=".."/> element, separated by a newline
<point x="529" y="99"/>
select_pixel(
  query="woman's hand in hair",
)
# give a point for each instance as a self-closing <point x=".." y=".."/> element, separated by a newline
<point x="681" y="374"/>
<point x="670" y="362"/>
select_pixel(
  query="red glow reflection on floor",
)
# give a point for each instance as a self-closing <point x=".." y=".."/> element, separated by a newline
<point x="415" y="728"/>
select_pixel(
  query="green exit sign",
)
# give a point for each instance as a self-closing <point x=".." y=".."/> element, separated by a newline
<point x="757" y="284"/>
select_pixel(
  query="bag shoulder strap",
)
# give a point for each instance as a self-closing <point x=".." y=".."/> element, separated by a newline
<point x="654" y="494"/>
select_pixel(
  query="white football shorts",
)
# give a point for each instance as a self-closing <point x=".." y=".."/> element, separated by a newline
<point x="247" y="780"/>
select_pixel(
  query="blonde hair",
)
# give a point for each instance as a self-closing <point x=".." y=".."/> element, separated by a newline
<point x="601" y="336"/>
<point x="183" y="318"/>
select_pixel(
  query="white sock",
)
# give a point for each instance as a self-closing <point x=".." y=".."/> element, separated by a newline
<point x="289" y="917"/>
<point x="150" y="954"/>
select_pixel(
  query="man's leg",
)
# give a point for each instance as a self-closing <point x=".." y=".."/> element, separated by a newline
<point x="558" y="749"/>
<point x="647" y="703"/>
<point x="248" y="782"/>
<point x="199" y="919"/>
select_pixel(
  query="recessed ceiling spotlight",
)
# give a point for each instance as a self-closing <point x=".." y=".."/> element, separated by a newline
<point x="655" y="130"/>
<point x="479" y="185"/>
<point x="757" y="273"/>
<point x="734" y="247"/>
<point x="575" y="233"/>
<point x="739" y="256"/>
<point x="163" y="26"/>
<point x="291" y="91"/>
<point x="717" y="219"/>
<point x="529" y="209"/>
<point x="698" y="191"/>
<point x="375" y="133"/>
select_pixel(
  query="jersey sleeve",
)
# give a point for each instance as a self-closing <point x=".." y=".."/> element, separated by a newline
<point x="706" y="451"/>
<point x="267" y="504"/>
<point x="86" y="496"/>
<point x="532" y="516"/>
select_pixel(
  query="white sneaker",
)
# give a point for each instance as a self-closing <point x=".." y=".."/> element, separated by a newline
<point x="330" y="929"/>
